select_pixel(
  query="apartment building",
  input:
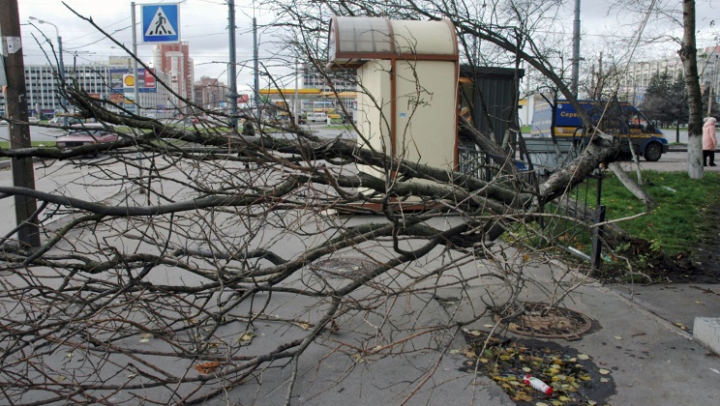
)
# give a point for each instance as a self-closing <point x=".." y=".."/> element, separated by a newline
<point x="101" y="80"/>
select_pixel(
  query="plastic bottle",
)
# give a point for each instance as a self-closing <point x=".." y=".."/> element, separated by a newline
<point x="537" y="384"/>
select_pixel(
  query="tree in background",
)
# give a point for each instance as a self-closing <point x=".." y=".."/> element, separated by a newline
<point x="665" y="101"/>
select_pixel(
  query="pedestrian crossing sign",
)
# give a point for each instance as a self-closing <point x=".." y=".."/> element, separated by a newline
<point x="161" y="22"/>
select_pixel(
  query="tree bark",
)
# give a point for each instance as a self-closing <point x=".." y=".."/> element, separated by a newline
<point x="688" y="55"/>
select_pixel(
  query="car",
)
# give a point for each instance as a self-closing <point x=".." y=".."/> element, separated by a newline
<point x="33" y="120"/>
<point x="316" y="117"/>
<point x="56" y="121"/>
<point x="86" y="134"/>
<point x="3" y="122"/>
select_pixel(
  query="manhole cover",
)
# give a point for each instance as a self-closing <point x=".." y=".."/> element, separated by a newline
<point x="539" y="321"/>
<point x="343" y="267"/>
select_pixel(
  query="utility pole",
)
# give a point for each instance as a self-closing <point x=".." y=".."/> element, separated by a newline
<point x="576" y="51"/>
<point x="16" y="106"/>
<point x="711" y="88"/>
<point x="296" y="113"/>
<point x="232" y="74"/>
<point x="256" y="63"/>
<point x="136" y="94"/>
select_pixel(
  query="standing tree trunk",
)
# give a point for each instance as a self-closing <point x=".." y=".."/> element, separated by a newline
<point x="688" y="55"/>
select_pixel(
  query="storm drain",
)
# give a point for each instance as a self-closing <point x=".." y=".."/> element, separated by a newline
<point x="539" y="321"/>
<point x="352" y="268"/>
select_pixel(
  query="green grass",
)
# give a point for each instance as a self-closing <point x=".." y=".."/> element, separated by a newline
<point x="675" y="224"/>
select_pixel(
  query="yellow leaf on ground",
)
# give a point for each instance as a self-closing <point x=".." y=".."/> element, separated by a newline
<point x="248" y="336"/>
<point x="604" y="371"/>
<point x="583" y="357"/>
<point x="604" y="380"/>
<point x="618" y="337"/>
<point x="526" y="369"/>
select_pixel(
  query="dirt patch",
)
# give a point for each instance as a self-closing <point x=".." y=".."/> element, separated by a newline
<point x="702" y="265"/>
<point x="575" y="379"/>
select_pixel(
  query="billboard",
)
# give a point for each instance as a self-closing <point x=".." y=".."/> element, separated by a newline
<point x="118" y="76"/>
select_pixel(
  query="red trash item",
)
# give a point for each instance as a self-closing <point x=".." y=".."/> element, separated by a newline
<point x="537" y="384"/>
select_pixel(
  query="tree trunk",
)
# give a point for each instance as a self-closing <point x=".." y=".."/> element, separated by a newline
<point x="688" y="55"/>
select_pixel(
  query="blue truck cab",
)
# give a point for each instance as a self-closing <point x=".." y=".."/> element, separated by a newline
<point x="617" y="118"/>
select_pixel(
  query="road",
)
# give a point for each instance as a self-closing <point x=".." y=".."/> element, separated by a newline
<point x="36" y="133"/>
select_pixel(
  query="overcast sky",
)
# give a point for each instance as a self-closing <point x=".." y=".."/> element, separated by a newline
<point x="204" y="26"/>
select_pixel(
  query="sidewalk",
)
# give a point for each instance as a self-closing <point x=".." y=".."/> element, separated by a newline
<point x="641" y="335"/>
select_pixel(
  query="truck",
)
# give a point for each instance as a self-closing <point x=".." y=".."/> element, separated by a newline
<point x="558" y="129"/>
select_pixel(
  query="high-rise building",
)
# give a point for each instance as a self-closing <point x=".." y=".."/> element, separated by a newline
<point x="343" y="80"/>
<point x="174" y="59"/>
<point x="210" y="93"/>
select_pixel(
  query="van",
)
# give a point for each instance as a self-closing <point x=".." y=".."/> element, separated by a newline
<point x="316" y="117"/>
<point x="560" y="124"/>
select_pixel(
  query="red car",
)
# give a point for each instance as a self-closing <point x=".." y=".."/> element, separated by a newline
<point x="85" y="134"/>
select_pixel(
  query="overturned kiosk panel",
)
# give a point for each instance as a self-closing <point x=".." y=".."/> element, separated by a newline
<point x="407" y="75"/>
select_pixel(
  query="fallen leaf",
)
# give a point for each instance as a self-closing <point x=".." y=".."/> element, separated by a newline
<point x="583" y="357"/>
<point x="526" y="369"/>
<point x="248" y="336"/>
<point x="541" y="404"/>
<point x="488" y="325"/>
<point x="591" y="402"/>
<point x="682" y="326"/>
<point x="715" y="370"/>
<point x="618" y="337"/>
<point x="604" y="380"/>
<point x="303" y="325"/>
<point x="564" y="399"/>
<point x="60" y="378"/>
<point x="358" y="358"/>
<point x="604" y="371"/>
<point x="207" y="368"/>
<point x="698" y="302"/>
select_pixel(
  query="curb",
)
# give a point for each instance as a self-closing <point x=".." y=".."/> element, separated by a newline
<point x="707" y="331"/>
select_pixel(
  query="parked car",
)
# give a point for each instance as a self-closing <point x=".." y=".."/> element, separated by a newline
<point x="3" y="122"/>
<point x="86" y="134"/>
<point x="33" y="120"/>
<point x="56" y="121"/>
<point x="316" y="117"/>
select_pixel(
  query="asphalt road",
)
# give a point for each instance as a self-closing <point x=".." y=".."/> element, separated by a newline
<point x="36" y="133"/>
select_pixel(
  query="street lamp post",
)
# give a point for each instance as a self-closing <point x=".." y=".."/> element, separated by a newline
<point x="61" y="68"/>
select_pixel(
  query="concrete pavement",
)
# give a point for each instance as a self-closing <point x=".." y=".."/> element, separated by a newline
<point x="642" y="335"/>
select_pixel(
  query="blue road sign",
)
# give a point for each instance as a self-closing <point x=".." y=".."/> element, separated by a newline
<point x="161" y="23"/>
